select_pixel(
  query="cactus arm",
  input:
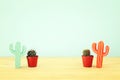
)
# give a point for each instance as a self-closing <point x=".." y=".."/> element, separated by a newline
<point x="11" y="49"/>
<point x="106" y="51"/>
<point x="94" y="48"/>
<point x="23" y="50"/>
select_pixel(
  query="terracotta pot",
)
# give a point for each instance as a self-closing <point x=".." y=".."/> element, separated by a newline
<point x="32" y="61"/>
<point x="87" y="60"/>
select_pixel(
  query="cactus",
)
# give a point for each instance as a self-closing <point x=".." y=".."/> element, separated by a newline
<point x="31" y="53"/>
<point x="18" y="51"/>
<point x="100" y="52"/>
<point x="86" y="52"/>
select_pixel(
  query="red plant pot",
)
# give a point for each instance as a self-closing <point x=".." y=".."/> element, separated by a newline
<point x="32" y="61"/>
<point x="87" y="60"/>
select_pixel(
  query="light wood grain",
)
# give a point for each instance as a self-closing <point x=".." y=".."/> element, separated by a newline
<point x="59" y="69"/>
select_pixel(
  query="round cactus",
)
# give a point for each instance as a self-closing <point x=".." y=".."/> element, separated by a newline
<point x="31" y="53"/>
<point x="86" y="52"/>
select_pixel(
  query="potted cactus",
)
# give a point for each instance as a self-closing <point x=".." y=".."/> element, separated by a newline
<point x="32" y="58"/>
<point x="87" y="58"/>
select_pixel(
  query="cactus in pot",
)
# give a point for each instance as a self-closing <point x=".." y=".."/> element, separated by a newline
<point x="87" y="58"/>
<point x="32" y="58"/>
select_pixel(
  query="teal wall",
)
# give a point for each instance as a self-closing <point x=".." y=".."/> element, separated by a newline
<point x="59" y="27"/>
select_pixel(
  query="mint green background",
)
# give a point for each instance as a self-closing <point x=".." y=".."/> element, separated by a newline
<point x="59" y="27"/>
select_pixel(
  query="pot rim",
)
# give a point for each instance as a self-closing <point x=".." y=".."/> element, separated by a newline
<point x="88" y="56"/>
<point x="32" y="56"/>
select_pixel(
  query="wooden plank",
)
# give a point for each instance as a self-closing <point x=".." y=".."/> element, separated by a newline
<point x="58" y="68"/>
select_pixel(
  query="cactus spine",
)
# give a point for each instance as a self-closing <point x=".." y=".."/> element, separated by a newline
<point x="18" y="51"/>
<point x="100" y="52"/>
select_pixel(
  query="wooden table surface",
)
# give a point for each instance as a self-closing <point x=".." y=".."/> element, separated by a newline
<point x="58" y="68"/>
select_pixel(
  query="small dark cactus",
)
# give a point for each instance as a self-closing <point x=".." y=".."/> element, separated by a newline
<point x="31" y="53"/>
<point x="86" y="52"/>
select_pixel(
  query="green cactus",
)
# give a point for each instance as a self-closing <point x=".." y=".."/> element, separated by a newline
<point x="86" y="52"/>
<point x="18" y="51"/>
<point x="31" y="53"/>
